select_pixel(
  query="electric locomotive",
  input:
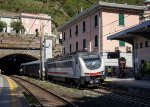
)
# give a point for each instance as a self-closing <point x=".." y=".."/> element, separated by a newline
<point x="82" y="68"/>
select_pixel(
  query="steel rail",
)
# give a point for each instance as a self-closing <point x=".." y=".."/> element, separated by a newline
<point x="35" y="99"/>
<point x="123" y="96"/>
<point x="55" y="95"/>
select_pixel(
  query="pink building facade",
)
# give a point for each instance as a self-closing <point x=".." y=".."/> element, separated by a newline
<point x="91" y="28"/>
<point x="35" y="22"/>
<point x="139" y="37"/>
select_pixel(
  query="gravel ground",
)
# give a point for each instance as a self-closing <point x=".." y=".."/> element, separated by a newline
<point x="80" y="97"/>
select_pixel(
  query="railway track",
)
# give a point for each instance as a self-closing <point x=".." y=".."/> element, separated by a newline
<point x="133" y="99"/>
<point x="130" y="98"/>
<point x="43" y="97"/>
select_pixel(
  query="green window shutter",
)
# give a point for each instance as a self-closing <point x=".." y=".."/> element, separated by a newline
<point x="121" y="43"/>
<point x="121" y="19"/>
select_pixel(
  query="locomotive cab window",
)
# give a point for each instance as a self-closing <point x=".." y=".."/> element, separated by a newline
<point x="92" y="61"/>
<point x="90" y="57"/>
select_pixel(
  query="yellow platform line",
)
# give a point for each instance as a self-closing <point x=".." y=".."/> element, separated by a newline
<point x="12" y="90"/>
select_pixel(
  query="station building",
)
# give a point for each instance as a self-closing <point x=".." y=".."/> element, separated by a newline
<point x="139" y="37"/>
<point x="91" y="27"/>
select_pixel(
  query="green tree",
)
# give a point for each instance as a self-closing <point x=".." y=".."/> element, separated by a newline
<point x="2" y="25"/>
<point x="17" y="26"/>
<point x="68" y="9"/>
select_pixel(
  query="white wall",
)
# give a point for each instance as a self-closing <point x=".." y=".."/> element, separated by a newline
<point x="48" y="49"/>
<point x="141" y="53"/>
<point x="8" y="20"/>
<point x="114" y="62"/>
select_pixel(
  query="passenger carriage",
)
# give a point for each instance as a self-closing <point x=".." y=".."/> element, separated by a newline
<point x="30" y="68"/>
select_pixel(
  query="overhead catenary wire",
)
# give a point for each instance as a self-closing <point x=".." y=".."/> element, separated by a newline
<point x="114" y="31"/>
<point x="106" y="25"/>
<point x="51" y="17"/>
<point x="55" y="14"/>
<point x="30" y="29"/>
<point x="49" y="20"/>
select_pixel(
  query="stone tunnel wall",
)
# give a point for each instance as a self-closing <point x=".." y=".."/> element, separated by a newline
<point x="6" y="52"/>
<point x="19" y="44"/>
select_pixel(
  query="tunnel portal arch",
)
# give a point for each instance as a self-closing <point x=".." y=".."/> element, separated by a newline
<point x="9" y="64"/>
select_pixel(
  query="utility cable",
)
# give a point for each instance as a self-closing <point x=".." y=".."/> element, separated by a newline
<point x="51" y="16"/>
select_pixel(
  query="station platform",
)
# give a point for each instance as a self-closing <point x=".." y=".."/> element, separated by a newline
<point x="10" y="93"/>
<point x="131" y="84"/>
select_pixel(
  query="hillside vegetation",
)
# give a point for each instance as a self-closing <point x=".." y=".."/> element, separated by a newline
<point x="60" y="10"/>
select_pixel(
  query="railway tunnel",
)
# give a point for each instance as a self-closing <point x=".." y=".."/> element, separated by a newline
<point x="10" y="64"/>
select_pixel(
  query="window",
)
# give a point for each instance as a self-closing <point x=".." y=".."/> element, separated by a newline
<point x="96" y="21"/>
<point x="83" y="26"/>
<point x="146" y="44"/>
<point x="84" y="43"/>
<point x="64" y="36"/>
<point x="70" y="33"/>
<point x="76" y="32"/>
<point x="67" y="64"/>
<point x="141" y="45"/>
<point x="64" y="50"/>
<point x="142" y="63"/>
<point x="136" y="46"/>
<point x="121" y="19"/>
<point x="92" y="58"/>
<point x="60" y="41"/>
<point x="36" y="32"/>
<point x="96" y="41"/>
<point x="5" y="29"/>
<point x="121" y="43"/>
<point x="70" y="48"/>
<point x="76" y="46"/>
<point x="113" y="55"/>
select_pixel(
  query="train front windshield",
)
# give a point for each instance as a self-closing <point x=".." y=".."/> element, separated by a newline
<point x="92" y="61"/>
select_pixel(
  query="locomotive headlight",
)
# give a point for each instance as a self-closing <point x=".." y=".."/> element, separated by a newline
<point x="91" y="81"/>
<point x="96" y="81"/>
<point x="103" y="72"/>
